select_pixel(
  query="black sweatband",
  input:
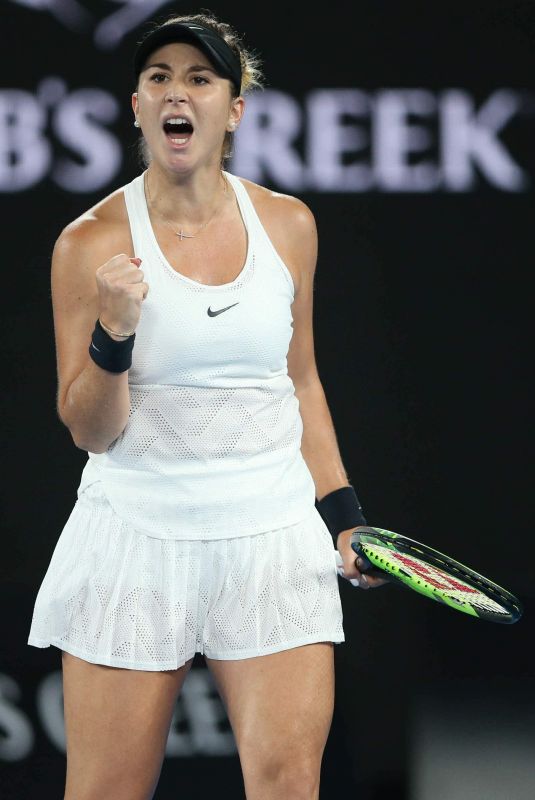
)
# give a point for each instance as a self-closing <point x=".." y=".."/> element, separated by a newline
<point x="341" y="510"/>
<point x="108" y="353"/>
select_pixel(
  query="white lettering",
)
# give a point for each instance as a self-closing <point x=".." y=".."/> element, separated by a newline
<point x="395" y="139"/>
<point x="420" y="141"/>
<point x="199" y="725"/>
<point x="25" y="153"/>
<point x="265" y="140"/>
<point x="470" y="138"/>
<point x="206" y="714"/>
<point x="111" y="30"/>
<point x="330" y="137"/>
<point x="345" y="140"/>
<point x="70" y="12"/>
<point x="17" y="737"/>
<point x="179" y="743"/>
<point x="50" y="708"/>
<point x="74" y="123"/>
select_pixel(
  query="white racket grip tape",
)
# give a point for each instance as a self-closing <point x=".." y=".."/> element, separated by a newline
<point x="340" y="569"/>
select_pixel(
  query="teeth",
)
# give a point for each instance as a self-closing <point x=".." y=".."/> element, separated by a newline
<point x="179" y="141"/>
<point x="177" y="121"/>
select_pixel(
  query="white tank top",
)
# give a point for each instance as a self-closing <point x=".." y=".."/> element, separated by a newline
<point x="212" y="447"/>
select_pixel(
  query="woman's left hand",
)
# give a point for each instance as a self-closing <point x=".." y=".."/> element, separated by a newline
<point x="354" y="566"/>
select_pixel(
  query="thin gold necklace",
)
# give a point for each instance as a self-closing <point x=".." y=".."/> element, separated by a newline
<point x="181" y="235"/>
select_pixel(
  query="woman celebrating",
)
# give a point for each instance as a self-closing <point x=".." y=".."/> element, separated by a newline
<point x="183" y="318"/>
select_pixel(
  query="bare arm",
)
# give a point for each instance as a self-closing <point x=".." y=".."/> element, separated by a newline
<point x="92" y="402"/>
<point x="319" y="444"/>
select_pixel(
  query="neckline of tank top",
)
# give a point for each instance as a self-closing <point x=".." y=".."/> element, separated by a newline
<point x="175" y="273"/>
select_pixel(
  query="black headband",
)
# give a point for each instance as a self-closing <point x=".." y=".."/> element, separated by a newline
<point x="223" y="58"/>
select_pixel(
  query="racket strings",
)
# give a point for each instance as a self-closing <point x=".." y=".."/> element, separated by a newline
<point x="438" y="580"/>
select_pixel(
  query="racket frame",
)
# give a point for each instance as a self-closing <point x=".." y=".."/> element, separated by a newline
<point x="366" y="535"/>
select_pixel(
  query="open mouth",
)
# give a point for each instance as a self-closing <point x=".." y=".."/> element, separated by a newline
<point x="178" y="130"/>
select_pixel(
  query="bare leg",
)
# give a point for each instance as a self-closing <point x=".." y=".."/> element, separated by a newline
<point x="116" y="723"/>
<point x="280" y="707"/>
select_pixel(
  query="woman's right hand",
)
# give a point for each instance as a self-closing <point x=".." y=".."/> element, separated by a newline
<point x="121" y="290"/>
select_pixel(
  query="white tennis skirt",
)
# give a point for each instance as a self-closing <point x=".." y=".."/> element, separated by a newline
<point x="115" y="596"/>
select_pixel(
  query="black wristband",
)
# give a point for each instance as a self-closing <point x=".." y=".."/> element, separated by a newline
<point x="341" y="510"/>
<point x="108" y="353"/>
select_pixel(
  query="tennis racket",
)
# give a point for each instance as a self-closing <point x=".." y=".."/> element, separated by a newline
<point x="435" y="575"/>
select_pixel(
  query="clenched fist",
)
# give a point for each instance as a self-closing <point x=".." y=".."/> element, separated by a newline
<point x="121" y="291"/>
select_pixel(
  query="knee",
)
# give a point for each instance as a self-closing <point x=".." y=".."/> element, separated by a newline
<point x="299" y="781"/>
<point x="291" y="776"/>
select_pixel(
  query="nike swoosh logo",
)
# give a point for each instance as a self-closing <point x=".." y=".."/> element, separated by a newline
<point x="220" y="310"/>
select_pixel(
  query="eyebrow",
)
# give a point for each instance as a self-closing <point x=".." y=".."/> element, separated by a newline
<point x="193" y="68"/>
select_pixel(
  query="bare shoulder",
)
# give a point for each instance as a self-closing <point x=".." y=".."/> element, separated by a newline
<point x="94" y="237"/>
<point x="280" y="209"/>
<point x="291" y="226"/>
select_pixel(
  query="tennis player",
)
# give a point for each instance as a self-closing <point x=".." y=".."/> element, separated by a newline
<point x="214" y="485"/>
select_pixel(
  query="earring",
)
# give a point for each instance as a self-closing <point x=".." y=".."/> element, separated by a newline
<point x="136" y="123"/>
<point x="232" y="126"/>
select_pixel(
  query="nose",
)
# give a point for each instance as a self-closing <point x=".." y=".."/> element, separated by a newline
<point x="176" y="92"/>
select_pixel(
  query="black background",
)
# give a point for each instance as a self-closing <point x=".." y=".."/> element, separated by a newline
<point x="423" y="342"/>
